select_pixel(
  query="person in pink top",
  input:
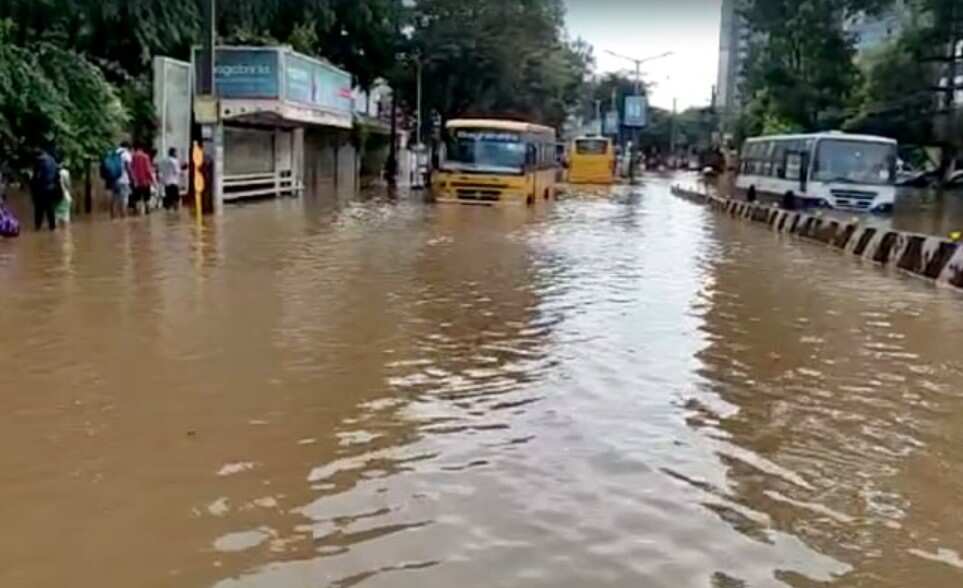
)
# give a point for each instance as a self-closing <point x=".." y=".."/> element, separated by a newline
<point x="144" y="179"/>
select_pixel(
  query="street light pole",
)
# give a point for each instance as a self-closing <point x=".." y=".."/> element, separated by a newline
<point x="638" y="65"/>
<point x="418" y="131"/>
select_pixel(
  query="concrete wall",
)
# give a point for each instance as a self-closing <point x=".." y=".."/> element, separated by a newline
<point x="925" y="256"/>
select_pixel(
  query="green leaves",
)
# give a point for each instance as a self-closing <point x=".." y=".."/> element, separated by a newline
<point x="53" y="96"/>
<point x="497" y="58"/>
<point x="801" y="69"/>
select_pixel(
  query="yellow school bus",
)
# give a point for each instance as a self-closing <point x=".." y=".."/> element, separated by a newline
<point x="491" y="162"/>
<point x="591" y="161"/>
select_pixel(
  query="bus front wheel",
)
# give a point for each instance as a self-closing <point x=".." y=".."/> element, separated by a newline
<point x="530" y="201"/>
<point x="548" y="195"/>
<point x="751" y="194"/>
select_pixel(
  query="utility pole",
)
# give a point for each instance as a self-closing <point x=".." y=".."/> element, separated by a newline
<point x="207" y="153"/>
<point x="391" y="165"/>
<point x="418" y="131"/>
<point x="637" y="133"/>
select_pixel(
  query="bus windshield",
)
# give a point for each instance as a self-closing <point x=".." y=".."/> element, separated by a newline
<point x="591" y="147"/>
<point x="485" y="150"/>
<point x="855" y="162"/>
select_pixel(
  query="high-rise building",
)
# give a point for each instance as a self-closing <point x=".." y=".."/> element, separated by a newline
<point x="734" y="38"/>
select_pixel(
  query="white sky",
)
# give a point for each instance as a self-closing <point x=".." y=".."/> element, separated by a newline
<point x="641" y="28"/>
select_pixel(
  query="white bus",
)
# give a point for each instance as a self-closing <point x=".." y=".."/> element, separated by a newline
<point x="835" y="170"/>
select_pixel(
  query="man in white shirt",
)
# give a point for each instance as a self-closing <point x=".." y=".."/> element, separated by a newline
<point x="121" y="187"/>
<point x="170" y="176"/>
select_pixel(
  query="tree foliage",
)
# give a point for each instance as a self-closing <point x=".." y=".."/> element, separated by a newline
<point x="499" y="57"/>
<point x="75" y="72"/>
<point x="53" y="97"/>
<point x="801" y="73"/>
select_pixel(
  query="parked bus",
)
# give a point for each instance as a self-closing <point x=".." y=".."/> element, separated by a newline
<point x="496" y="161"/>
<point x="835" y="170"/>
<point x="592" y="161"/>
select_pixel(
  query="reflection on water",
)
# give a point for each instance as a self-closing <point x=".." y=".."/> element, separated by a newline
<point x="621" y="389"/>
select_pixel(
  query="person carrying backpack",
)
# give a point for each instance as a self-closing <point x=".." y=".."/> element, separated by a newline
<point x="116" y="173"/>
<point x="45" y="189"/>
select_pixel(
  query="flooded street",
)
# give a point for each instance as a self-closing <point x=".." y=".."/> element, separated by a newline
<point x="616" y="389"/>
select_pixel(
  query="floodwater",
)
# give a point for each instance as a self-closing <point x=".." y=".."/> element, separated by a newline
<point x="923" y="211"/>
<point x="620" y="389"/>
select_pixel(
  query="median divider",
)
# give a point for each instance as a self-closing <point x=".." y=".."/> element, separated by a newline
<point x="934" y="258"/>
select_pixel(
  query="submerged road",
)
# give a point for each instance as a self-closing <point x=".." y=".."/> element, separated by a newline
<point x="620" y="389"/>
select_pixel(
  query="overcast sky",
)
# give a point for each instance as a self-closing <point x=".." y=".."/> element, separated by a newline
<point x="640" y="28"/>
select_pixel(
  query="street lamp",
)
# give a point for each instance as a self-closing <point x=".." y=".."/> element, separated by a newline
<point x="638" y="65"/>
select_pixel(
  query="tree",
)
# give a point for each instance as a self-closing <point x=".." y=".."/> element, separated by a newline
<point x="902" y="96"/>
<point x="50" y="96"/>
<point x="499" y="58"/>
<point x="801" y="73"/>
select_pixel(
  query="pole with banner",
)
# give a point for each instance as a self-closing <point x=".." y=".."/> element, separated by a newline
<point x="210" y="143"/>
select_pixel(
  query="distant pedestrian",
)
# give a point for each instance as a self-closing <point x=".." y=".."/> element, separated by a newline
<point x="45" y="189"/>
<point x="170" y="176"/>
<point x="116" y="173"/>
<point x="143" y="179"/>
<point x="65" y="205"/>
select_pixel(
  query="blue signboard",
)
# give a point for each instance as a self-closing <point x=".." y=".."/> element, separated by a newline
<point x="316" y="84"/>
<point x="611" y="123"/>
<point x="636" y="111"/>
<point x="248" y="73"/>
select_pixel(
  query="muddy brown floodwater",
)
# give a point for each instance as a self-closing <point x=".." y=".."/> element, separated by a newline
<point x="617" y="390"/>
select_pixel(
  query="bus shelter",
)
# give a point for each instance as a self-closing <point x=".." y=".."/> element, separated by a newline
<point x="266" y="99"/>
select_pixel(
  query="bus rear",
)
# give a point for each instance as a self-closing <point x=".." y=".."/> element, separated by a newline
<point x="592" y="161"/>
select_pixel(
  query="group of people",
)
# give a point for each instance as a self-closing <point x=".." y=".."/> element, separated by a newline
<point x="129" y="174"/>
<point x="132" y="179"/>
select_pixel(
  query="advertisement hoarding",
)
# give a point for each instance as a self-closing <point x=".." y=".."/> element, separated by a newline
<point x="611" y="123"/>
<point x="312" y="83"/>
<point x="636" y="111"/>
<point x="248" y="73"/>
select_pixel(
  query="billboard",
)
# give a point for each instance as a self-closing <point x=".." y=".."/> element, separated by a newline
<point x="294" y="86"/>
<point x="636" y="111"/>
<point x="249" y="73"/>
<point x="172" y="102"/>
<point x="313" y="83"/>
<point x="611" y="123"/>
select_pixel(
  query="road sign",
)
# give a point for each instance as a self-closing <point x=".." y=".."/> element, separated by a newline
<point x="611" y="123"/>
<point x="636" y="111"/>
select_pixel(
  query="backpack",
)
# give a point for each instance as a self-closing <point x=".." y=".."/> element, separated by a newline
<point x="9" y="226"/>
<point x="112" y="167"/>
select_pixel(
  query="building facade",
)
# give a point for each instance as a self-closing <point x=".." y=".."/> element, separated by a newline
<point x="734" y="41"/>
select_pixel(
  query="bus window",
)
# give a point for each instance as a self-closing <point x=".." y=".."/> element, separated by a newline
<point x="794" y="160"/>
<point x="766" y="158"/>
<point x="592" y="147"/>
<point x="779" y="159"/>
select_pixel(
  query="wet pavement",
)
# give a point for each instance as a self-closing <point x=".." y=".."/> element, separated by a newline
<point x="622" y="389"/>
